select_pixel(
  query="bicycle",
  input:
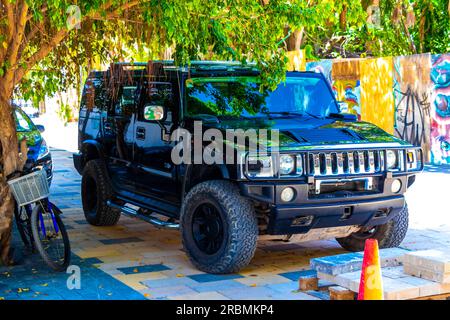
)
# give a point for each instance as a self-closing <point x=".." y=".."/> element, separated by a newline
<point x="41" y="227"/>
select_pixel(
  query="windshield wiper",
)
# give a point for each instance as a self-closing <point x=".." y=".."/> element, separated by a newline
<point x="289" y="113"/>
<point x="284" y="113"/>
<point x="313" y="115"/>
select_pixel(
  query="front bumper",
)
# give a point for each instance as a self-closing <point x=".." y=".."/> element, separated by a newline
<point x="308" y="211"/>
<point x="77" y="162"/>
<point x="293" y="219"/>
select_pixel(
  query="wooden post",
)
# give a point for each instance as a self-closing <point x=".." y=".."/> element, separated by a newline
<point x="340" y="293"/>
<point x="308" y="283"/>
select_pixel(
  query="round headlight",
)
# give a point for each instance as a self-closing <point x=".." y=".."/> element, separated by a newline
<point x="396" y="186"/>
<point x="287" y="194"/>
<point x="287" y="164"/>
<point x="391" y="159"/>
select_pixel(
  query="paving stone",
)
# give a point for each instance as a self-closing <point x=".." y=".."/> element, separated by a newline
<point x="420" y="272"/>
<point x="217" y="285"/>
<point x="435" y="260"/>
<point x="144" y="269"/>
<point x="213" y="277"/>
<point x="258" y="293"/>
<point x="426" y="287"/>
<point x="295" y="275"/>
<point x="349" y="262"/>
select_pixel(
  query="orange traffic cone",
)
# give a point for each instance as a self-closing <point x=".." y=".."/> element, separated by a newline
<point x="371" y="284"/>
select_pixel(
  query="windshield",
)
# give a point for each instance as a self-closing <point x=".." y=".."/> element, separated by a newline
<point x="23" y="123"/>
<point x="241" y="97"/>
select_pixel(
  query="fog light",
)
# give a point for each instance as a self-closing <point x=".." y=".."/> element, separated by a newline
<point x="396" y="186"/>
<point x="287" y="194"/>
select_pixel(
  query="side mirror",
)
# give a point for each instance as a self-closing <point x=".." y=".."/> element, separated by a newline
<point x="40" y="127"/>
<point x="154" y="113"/>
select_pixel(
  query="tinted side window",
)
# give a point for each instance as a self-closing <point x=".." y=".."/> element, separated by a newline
<point x="124" y="105"/>
<point x="94" y="95"/>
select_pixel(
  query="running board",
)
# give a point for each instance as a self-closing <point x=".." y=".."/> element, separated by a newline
<point x="152" y="220"/>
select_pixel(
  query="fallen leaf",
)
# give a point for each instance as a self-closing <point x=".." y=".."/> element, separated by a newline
<point x="44" y="285"/>
<point x="135" y="270"/>
<point x="253" y="285"/>
<point x="146" y="295"/>
<point x="179" y="275"/>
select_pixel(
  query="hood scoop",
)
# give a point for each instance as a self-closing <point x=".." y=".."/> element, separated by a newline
<point x="323" y="135"/>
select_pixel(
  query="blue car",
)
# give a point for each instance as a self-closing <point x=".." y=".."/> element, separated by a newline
<point x="39" y="155"/>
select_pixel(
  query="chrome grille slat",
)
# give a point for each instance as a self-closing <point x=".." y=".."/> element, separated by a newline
<point x="357" y="162"/>
<point x="329" y="167"/>
<point x="351" y="163"/>
<point x="360" y="156"/>
<point x="340" y="163"/>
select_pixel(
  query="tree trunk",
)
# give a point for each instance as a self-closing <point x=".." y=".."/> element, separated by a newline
<point x="9" y="162"/>
<point x="294" y="41"/>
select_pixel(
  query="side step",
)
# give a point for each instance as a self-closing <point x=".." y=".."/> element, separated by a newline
<point x="133" y="213"/>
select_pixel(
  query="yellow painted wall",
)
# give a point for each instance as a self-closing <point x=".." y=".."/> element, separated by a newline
<point x="297" y="60"/>
<point x="377" y="99"/>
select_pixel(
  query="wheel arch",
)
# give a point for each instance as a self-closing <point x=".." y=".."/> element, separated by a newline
<point x="90" y="150"/>
<point x="196" y="174"/>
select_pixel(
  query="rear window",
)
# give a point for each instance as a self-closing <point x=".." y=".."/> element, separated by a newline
<point x="23" y="123"/>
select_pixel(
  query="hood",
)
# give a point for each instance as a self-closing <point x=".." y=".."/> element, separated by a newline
<point x="304" y="132"/>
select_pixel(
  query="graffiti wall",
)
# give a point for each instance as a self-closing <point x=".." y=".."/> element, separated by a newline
<point x="343" y="76"/>
<point x="324" y="66"/>
<point x="408" y="96"/>
<point x="440" y="109"/>
<point x="377" y="99"/>
<point x="346" y="84"/>
<point x="412" y="93"/>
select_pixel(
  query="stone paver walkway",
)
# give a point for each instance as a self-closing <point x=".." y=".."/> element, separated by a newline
<point x="134" y="260"/>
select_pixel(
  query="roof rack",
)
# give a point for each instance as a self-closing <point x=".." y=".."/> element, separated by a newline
<point x="193" y="64"/>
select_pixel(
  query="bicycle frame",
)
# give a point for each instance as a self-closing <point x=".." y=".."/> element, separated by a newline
<point x="49" y="208"/>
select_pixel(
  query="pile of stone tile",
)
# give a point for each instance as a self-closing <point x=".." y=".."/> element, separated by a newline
<point x="432" y="265"/>
<point x="406" y="274"/>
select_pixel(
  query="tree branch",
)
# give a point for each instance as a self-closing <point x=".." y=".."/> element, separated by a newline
<point x="10" y="14"/>
<point x="20" y="23"/>
<point x="62" y="34"/>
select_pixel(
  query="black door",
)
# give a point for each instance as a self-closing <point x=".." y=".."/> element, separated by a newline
<point x="118" y="129"/>
<point x="156" y="175"/>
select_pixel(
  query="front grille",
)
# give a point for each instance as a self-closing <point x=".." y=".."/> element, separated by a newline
<point x="351" y="162"/>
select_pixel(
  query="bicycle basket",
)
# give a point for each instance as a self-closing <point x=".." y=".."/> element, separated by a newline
<point x="30" y="188"/>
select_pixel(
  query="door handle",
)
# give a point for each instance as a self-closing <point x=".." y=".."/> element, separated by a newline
<point x="107" y="126"/>
<point x="140" y="133"/>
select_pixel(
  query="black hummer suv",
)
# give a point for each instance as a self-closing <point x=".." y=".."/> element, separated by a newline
<point x="321" y="175"/>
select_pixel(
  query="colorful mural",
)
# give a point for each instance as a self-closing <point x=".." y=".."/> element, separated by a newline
<point x="343" y="76"/>
<point x="348" y="91"/>
<point x="408" y="96"/>
<point x="412" y="93"/>
<point x="324" y="66"/>
<point x="440" y="114"/>
<point x="377" y="100"/>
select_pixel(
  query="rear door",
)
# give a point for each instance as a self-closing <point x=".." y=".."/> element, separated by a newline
<point x="118" y="129"/>
<point x="156" y="175"/>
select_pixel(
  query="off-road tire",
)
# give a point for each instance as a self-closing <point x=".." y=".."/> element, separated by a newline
<point x="240" y="227"/>
<point x="389" y="235"/>
<point x="96" y="190"/>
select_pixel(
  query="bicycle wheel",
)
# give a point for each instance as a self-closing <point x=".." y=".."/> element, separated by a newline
<point x="50" y="236"/>
<point x="23" y="224"/>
